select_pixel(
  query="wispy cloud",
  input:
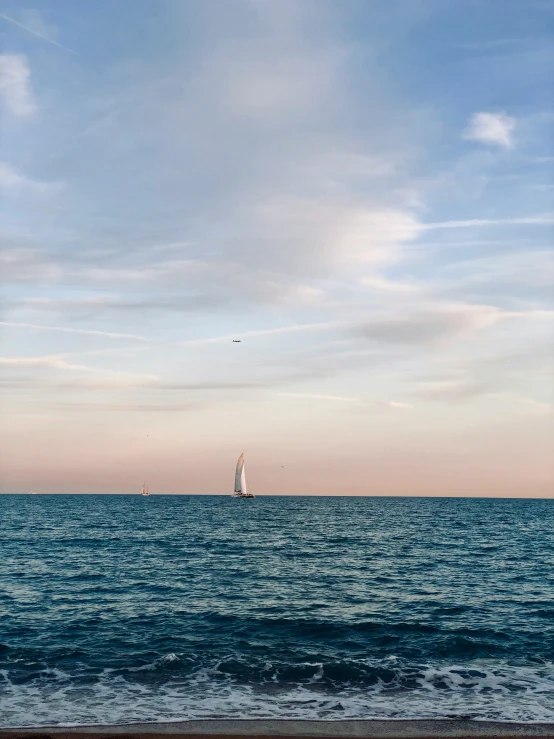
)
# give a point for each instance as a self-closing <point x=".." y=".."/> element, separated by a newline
<point x="538" y="220"/>
<point x="134" y="407"/>
<point x="382" y="284"/>
<point x="429" y="325"/>
<point x="12" y="181"/>
<point x="15" y="85"/>
<point x="59" y="363"/>
<point x="397" y="404"/>
<point x="458" y="390"/>
<point x="463" y="390"/>
<point x="295" y="328"/>
<point x="312" y="396"/>
<point x="378" y="406"/>
<point x="537" y="406"/>
<point x="491" y="128"/>
<point x="79" y="331"/>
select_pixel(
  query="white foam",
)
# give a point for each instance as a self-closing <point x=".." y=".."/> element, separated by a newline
<point x="482" y="690"/>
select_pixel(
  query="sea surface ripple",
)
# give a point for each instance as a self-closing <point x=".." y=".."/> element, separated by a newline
<point x="116" y="609"/>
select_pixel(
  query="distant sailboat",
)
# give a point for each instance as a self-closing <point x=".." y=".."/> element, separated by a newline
<point x="241" y="491"/>
<point x="144" y="490"/>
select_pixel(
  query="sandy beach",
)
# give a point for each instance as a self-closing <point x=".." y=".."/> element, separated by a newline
<point x="270" y="729"/>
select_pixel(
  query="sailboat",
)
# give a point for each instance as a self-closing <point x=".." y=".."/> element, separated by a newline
<point x="241" y="491"/>
<point x="144" y="490"/>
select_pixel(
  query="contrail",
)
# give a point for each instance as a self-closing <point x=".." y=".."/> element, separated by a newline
<point x="38" y="35"/>
<point x="266" y="332"/>
<point x="85" y="331"/>
<point x="539" y="220"/>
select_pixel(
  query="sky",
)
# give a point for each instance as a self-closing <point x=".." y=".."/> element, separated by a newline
<point x="361" y="192"/>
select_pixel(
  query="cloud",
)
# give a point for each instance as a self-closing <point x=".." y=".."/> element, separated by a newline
<point x="455" y="390"/>
<point x="79" y="331"/>
<point x="295" y="328"/>
<point x="311" y="396"/>
<point x="292" y="329"/>
<point x="396" y="404"/>
<point x="367" y="406"/>
<point x="278" y="87"/>
<point x="382" y="284"/>
<point x="536" y="406"/>
<point x="13" y="182"/>
<point x="135" y="407"/>
<point x="427" y="326"/>
<point x="491" y="128"/>
<point x="282" y="245"/>
<point x="463" y="390"/>
<point x="546" y="219"/>
<point x="9" y="178"/>
<point x="533" y="268"/>
<point x="364" y="404"/>
<point x="378" y="406"/>
<point x="57" y="362"/>
<point x="15" y="86"/>
<point x="316" y="235"/>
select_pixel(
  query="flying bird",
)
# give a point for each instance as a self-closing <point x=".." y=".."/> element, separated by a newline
<point x="236" y="341"/>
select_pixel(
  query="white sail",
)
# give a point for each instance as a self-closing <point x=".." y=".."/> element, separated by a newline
<point x="241" y="491"/>
<point x="243" y="487"/>
<point x="239" y="476"/>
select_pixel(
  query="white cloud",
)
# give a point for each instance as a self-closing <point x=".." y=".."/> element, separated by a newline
<point x="79" y="331"/>
<point x="9" y="178"/>
<point x="12" y="181"/>
<point x="380" y="406"/>
<point x="365" y="404"/>
<point x="429" y="324"/>
<point x="453" y="390"/>
<point x="316" y="235"/>
<point x="57" y="362"/>
<point x="299" y="327"/>
<point x="284" y="86"/>
<point x="382" y="284"/>
<point x="15" y="86"/>
<point x="533" y="405"/>
<point x="311" y="396"/>
<point x="545" y="219"/>
<point x="491" y="128"/>
<point x="533" y="267"/>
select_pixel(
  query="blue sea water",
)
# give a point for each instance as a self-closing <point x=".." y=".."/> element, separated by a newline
<point x="122" y="608"/>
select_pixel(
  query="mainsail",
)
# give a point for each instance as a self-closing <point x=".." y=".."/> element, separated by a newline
<point x="241" y="490"/>
<point x="240" y="477"/>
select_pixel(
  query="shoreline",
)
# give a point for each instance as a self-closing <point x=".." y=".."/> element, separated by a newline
<point x="294" y="729"/>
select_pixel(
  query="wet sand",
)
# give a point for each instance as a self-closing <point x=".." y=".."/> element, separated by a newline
<point x="275" y="729"/>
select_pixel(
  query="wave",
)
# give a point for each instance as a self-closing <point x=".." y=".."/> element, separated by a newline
<point x="178" y="688"/>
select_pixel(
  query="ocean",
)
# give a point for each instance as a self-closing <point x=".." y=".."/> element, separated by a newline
<point x="118" y="608"/>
